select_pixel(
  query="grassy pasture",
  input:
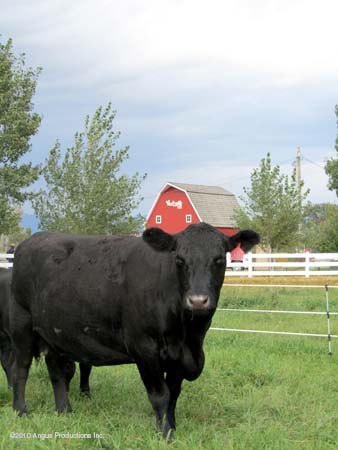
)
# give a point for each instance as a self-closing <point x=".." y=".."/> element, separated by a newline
<point x="256" y="392"/>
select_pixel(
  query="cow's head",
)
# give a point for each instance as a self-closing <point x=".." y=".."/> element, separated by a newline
<point x="200" y="257"/>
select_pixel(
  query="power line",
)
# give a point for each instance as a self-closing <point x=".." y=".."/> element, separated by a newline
<point x="231" y="178"/>
<point x="235" y="177"/>
<point x="313" y="162"/>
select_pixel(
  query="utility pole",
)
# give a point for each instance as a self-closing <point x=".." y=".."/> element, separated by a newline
<point x="299" y="175"/>
<point x="299" y="185"/>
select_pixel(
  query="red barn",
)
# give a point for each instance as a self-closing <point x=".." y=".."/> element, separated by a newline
<point x="179" y="205"/>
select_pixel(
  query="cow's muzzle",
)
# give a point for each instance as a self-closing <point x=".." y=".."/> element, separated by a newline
<point x="200" y="302"/>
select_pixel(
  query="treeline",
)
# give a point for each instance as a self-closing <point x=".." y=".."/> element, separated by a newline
<point x="276" y="206"/>
<point x="84" y="189"/>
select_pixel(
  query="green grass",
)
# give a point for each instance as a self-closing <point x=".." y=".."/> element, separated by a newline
<point x="256" y="392"/>
<point x="282" y="299"/>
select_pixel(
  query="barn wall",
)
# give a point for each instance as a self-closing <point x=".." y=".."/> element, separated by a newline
<point x="228" y="231"/>
<point x="173" y="205"/>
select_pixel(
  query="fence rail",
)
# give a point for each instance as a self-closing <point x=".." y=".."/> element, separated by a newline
<point x="284" y="264"/>
<point x="327" y="313"/>
<point x="6" y="260"/>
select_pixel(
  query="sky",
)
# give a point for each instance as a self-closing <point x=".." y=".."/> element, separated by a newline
<point x="203" y="90"/>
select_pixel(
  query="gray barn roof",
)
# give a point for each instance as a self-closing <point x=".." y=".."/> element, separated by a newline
<point x="213" y="204"/>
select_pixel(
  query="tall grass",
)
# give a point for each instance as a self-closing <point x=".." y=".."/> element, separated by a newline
<point x="256" y="392"/>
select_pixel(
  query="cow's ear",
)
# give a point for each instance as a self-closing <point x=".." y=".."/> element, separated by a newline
<point x="246" y="238"/>
<point x="159" y="240"/>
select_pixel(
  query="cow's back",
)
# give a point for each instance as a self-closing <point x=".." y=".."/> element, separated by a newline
<point x="53" y="260"/>
<point x="47" y="260"/>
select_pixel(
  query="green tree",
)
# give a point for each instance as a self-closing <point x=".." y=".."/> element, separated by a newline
<point x="320" y="227"/>
<point x="314" y="216"/>
<point x="329" y="231"/>
<point x="15" y="238"/>
<point x="272" y="206"/>
<point x="18" y="123"/>
<point x="331" y="167"/>
<point x="85" y="192"/>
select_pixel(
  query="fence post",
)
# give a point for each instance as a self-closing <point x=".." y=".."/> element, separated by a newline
<point x="307" y="264"/>
<point x="228" y="257"/>
<point x="250" y="268"/>
<point x="328" y="318"/>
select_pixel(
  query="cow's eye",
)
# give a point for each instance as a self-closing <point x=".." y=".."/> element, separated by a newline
<point x="219" y="261"/>
<point x="180" y="261"/>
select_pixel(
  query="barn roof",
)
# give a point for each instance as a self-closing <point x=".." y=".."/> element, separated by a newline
<point x="213" y="204"/>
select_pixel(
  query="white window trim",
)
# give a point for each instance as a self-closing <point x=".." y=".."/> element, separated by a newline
<point x="188" y="218"/>
<point x="158" y="220"/>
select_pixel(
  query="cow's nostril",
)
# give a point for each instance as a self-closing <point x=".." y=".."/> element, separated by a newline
<point x="198" y="301"/>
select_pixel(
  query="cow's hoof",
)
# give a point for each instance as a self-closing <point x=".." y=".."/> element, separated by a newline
<point x="85" y="393"/>
<point x="64" y="410"/>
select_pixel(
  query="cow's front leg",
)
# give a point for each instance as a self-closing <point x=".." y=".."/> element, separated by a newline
<point x="158" y="392"/>
<point x="174" y="380"/>
<point x="61" y="371"/>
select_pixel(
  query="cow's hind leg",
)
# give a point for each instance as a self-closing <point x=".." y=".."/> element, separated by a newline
<point x="85" y="370"/>
<point x="7" y="359"/>
<point x="24" y="349"/>
<point x="158" y="393"/>
<point x="69" y="373"/>
<point x="21" y="366"/>
<point x="61" y="371"/>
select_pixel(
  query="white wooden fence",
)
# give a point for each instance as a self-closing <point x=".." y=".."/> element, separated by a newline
<point x="263" y="264"/>
<point x="4" y="263"/>
<point x="284" y="264"/>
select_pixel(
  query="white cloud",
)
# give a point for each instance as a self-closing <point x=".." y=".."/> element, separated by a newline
<point x="286" y="40"/>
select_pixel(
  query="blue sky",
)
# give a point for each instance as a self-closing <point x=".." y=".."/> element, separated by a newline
<point x="203" y="90"/>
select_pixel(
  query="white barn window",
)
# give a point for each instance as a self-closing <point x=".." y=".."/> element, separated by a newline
<point x="158" y="219"/>
<point x="188" y="218"/>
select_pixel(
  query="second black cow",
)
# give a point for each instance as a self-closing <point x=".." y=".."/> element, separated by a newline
<point x="112" y="300"/>
<point x="6" y="354"/>
<point x="6" y="349"/>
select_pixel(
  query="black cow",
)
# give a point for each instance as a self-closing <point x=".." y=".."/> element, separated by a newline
<point x="6" y="354"/>
<point x="113" y="300"/>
